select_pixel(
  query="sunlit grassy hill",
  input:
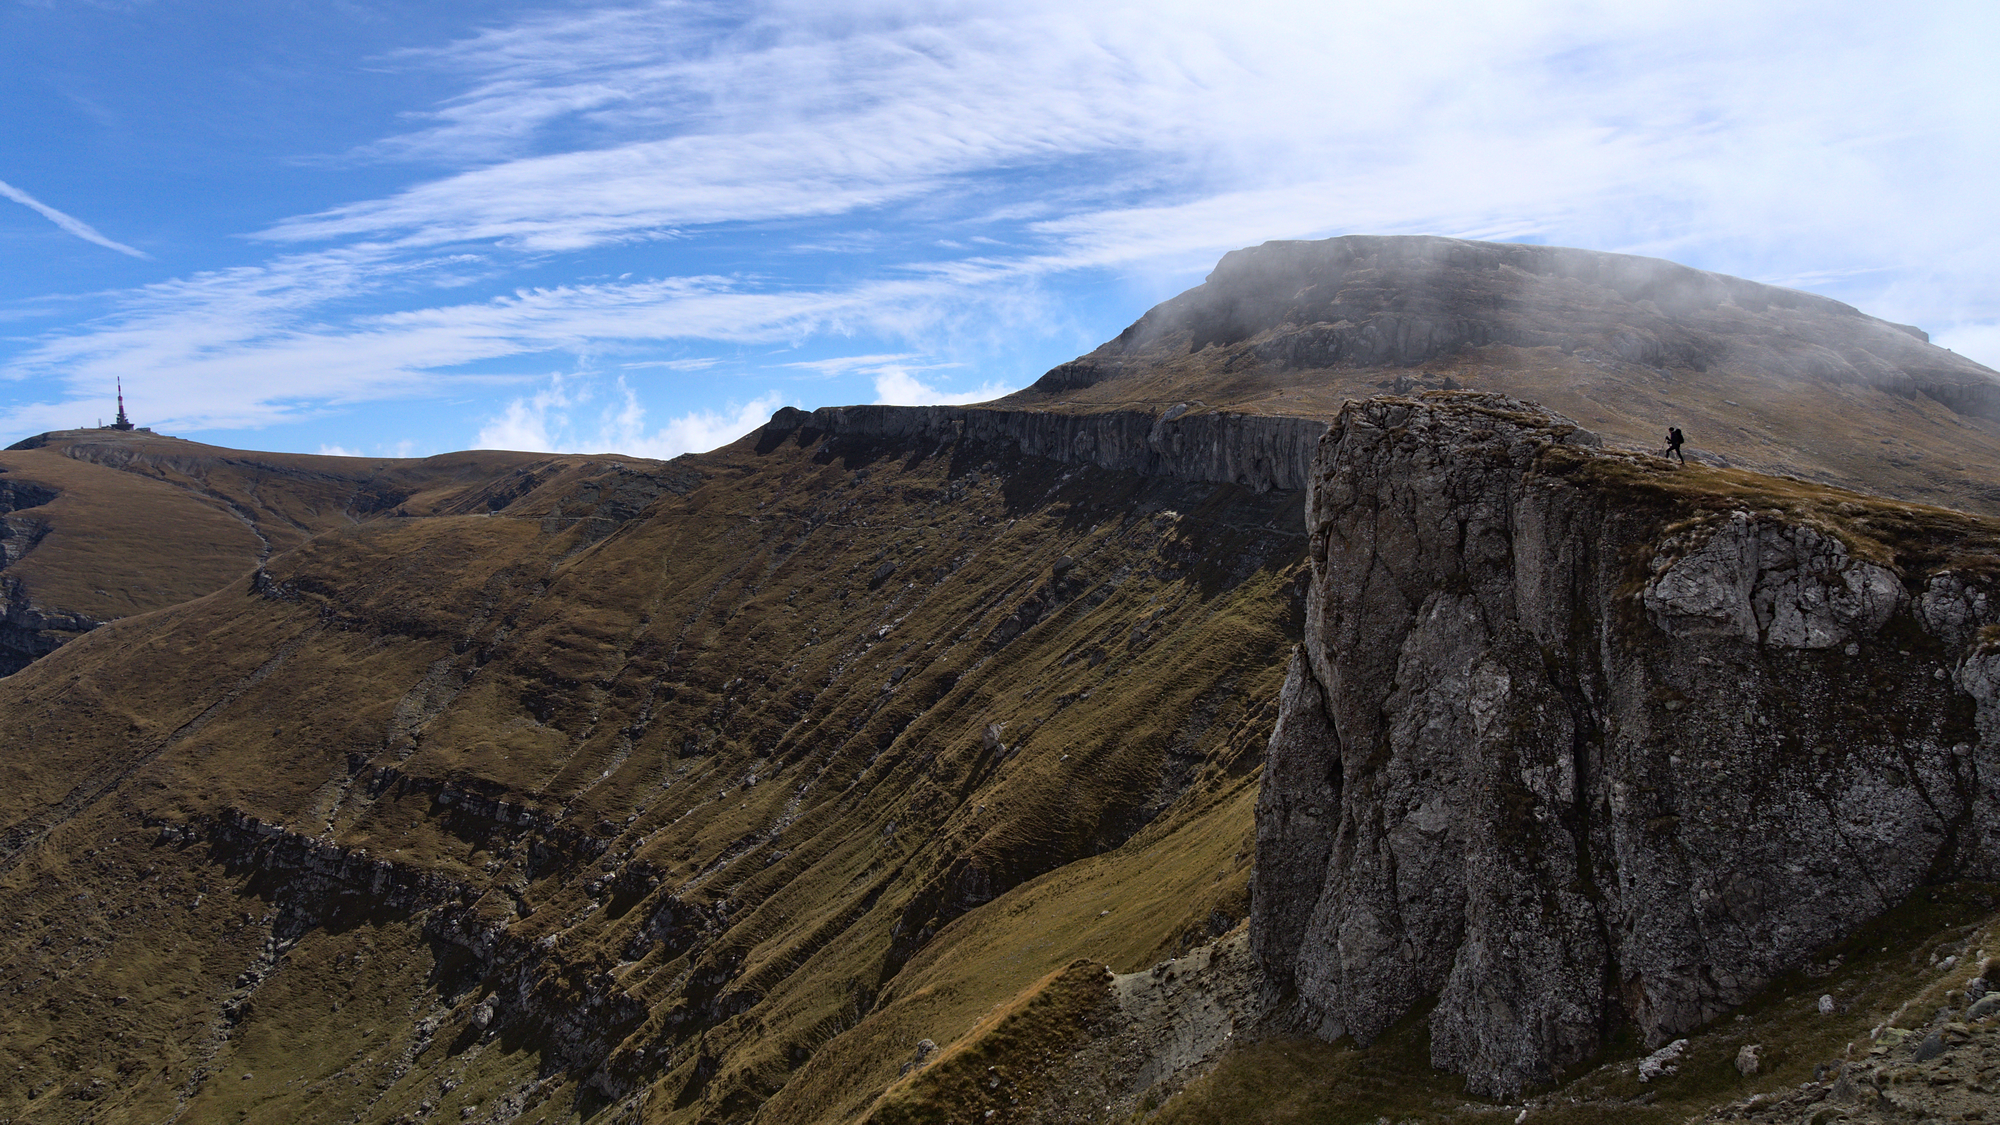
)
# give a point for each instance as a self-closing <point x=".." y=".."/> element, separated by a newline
<point x="101" y="524"/>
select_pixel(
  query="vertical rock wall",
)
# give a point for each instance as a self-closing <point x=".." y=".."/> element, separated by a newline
<point x="1562" y="750"/>
<point x="1261" y="452"/>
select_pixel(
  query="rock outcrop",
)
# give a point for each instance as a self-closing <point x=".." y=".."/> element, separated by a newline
<point x="28" y="630"/>
<point x="1575" y="739"/>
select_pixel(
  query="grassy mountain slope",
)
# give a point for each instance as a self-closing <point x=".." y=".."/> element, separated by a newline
<point x="90" y="540"/>
<point x="688" y="796"/>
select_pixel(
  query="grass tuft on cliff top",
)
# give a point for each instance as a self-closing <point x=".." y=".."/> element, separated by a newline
<point x="1917" y="538"/>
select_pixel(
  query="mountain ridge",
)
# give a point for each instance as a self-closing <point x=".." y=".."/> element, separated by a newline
<point x="100" y="524"/>
<point x="599" y="789"/>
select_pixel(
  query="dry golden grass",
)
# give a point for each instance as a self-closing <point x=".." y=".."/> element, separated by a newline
<point x="1004" y="1062"/>
<point x="143" y="521"/>
<point x="119" y="543"/>
<point x="627" y="688"/>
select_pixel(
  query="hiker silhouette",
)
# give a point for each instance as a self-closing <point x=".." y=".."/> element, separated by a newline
<point x="1674" y="442"/>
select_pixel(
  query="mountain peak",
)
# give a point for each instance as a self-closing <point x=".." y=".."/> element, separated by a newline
<point x="1759" y="376"/>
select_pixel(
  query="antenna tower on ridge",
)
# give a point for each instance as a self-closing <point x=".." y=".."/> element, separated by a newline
<point x="123" y="423"/>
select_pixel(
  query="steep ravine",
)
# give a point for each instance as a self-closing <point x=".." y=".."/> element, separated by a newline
<point x="1577" y="738"/>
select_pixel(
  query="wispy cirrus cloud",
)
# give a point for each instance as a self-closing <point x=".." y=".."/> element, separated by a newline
<point x="70" y="223"/>
<point x="260" y="345"/>
<point x="1339" y="116"/>
<point x="846" y="364"/>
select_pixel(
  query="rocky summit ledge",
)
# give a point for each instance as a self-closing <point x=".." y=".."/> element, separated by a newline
<point x="1578" y="739"/>
<point x="1259" y="452"/>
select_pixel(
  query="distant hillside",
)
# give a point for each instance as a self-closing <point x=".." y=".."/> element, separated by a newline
<point x="101" y="524"/>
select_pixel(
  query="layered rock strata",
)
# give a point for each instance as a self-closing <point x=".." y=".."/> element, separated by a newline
<point x="1259" y="452"/>
<point x="1571" y="742"/>
<point x="29" y="631"/>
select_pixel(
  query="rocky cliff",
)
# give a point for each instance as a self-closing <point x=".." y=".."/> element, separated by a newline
<point x="26" y="630"/>
<point x="1259" y="452"/>
<point x="1577" y="738"/>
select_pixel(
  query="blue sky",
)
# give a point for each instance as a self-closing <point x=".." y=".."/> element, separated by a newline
<point x="401" y="227"/>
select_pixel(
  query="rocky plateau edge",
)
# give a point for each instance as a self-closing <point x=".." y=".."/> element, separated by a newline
<point x="1259" y="452"/>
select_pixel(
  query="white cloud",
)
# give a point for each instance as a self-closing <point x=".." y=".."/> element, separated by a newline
<point x="1642" y="121"/>
<point x="701" y="430"/>
<point x="574" y="414"/>
<point x="537" y="422"/>
<point x="339" y="451"/>
<point x="69" y="223"/>
<point x="896" y="380"/>
<point x="254" y="346"/>
<point x="699" y="364"/>
<point x="842" y="365"/>
<point x="896" y="386"/>
<point x="1980" y="342"/>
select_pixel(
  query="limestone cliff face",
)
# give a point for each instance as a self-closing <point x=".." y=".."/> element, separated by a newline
<point x="1260" y="452"/>
<point x="1571" y="743"/>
